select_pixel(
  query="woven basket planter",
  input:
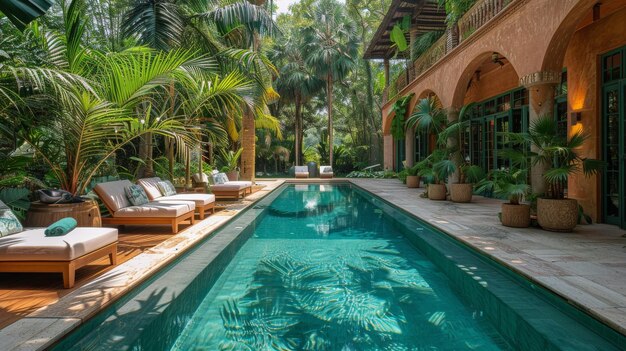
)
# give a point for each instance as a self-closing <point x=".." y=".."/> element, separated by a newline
<point x="437" y="191"/>
<point x="516" y="216"/>
<point x="461" y="192"/>
<point x="557" y="215"/>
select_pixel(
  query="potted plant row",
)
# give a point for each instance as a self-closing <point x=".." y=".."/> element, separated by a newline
<point x="558" y="157"/>
<point x="447" y="159"/>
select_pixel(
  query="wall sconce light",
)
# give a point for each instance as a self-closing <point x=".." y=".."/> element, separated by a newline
<point x="575" y="117"/>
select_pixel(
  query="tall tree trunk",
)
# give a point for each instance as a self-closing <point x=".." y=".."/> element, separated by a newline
<point x="298" y="131"/>
<point x="145" y="153"/>
<point x="150" y="161"/>
<point x="170" y="142"/>
<point x="248" y="143"/>
<point x="376" y="140"/>
<point x="248" y="137"/>
<point x="210" y="153"/>
<point x="329" y="98"/>
<point x="200" y="158"/>
<point x="169" y="151"/>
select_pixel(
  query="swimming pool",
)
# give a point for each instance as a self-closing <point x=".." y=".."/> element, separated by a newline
<point x="332" y="267"/>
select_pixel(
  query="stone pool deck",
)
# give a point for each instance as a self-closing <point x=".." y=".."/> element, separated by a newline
<point x="587" y="267"/>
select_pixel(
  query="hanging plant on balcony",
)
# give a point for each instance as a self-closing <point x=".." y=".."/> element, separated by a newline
<point x="400" y="109"/>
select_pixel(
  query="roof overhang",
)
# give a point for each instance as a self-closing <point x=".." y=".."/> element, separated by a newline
<point x="426" y="16"/>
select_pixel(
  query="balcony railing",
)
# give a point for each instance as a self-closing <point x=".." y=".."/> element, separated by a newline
<point x="472" y="20"/>
<point x="479" y="14"/>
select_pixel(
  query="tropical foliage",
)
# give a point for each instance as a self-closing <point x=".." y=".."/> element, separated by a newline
<point x="505" y="183"/>
<point x="83" y="97"/>
<point x="543" y="146"/>
<point x="400" y="108"/>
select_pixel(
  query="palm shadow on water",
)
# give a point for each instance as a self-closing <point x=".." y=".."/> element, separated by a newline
<point x="376" y="303"/>
<point x="379" y="295"/>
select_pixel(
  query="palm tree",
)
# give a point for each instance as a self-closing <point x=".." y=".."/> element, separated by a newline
<point x="106" y="100"/>
<point x="330" y="42"/>
<point x="297" y="83"/>
<point x="165" y="24"/>
<point x="243" y="24"/>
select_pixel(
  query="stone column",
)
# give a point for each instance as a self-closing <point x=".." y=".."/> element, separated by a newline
<point x="387" y="78"/>
<point x="453" y="142"/>
<point x="540" y="87"/>
<point x="409" y="146"/>
<point x="388" y="152"/>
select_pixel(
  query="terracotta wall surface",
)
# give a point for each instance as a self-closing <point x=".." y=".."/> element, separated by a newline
<point x="492" y="83"/>
<point x="582" y="61"/>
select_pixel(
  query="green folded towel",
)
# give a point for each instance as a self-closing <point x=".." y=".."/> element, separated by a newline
<point x="61" y="227"/>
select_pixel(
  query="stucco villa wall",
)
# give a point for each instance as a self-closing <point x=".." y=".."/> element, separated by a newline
<point x="582" y="61"/>
<point x="492" y="83"/>
<point x="534" y="36"/>
<point x="525" y="43"/>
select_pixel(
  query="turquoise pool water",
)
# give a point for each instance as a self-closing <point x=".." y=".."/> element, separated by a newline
<point x="321" y="267"/>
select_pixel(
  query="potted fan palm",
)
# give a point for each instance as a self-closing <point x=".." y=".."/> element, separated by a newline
<point x="468" y="174"/>
<point x="509" y="184"/>
<point x="413" y="178"/>
<point x="431" y="119"/>
<point x="434" y="172"/>
<point x="559" y="157"/>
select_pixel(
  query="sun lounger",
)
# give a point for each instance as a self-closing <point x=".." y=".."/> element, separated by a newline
<point x="326" y="172"/>
<point x="123" y="212"/>
<point x="228" y="189"/>
<point x="205" y="203"/>
<point x="32" y="251"/>
<point x="302" y="172"/>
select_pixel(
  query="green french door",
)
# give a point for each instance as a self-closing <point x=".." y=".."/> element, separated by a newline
<point x="613" y="143"/>
<point x="613" y="185"/>
<point x="487" y="141"/>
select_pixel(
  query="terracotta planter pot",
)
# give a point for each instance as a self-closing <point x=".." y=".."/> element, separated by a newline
<point x="437" y="191"/>
<point x="557" y="215"/>
<point x="461" y="192"/>
<point x="233" y="176"/>
<point x="413" y="181"/>
<point x="516" y="216"/>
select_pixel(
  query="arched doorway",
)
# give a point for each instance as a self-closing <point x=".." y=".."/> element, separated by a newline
<point x="491" y="84"/>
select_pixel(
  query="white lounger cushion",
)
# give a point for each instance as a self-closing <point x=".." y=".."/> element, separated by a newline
<point x="157" y="209"/>
<point x="113" y="194"/>
<point x="150" y="185"/>
<point x="301" y="171"/>
<point x="33" y="245"/>
<point x="245" y="183"/>
<point x="229" y="186"/>
<point x="198" y="198"/>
